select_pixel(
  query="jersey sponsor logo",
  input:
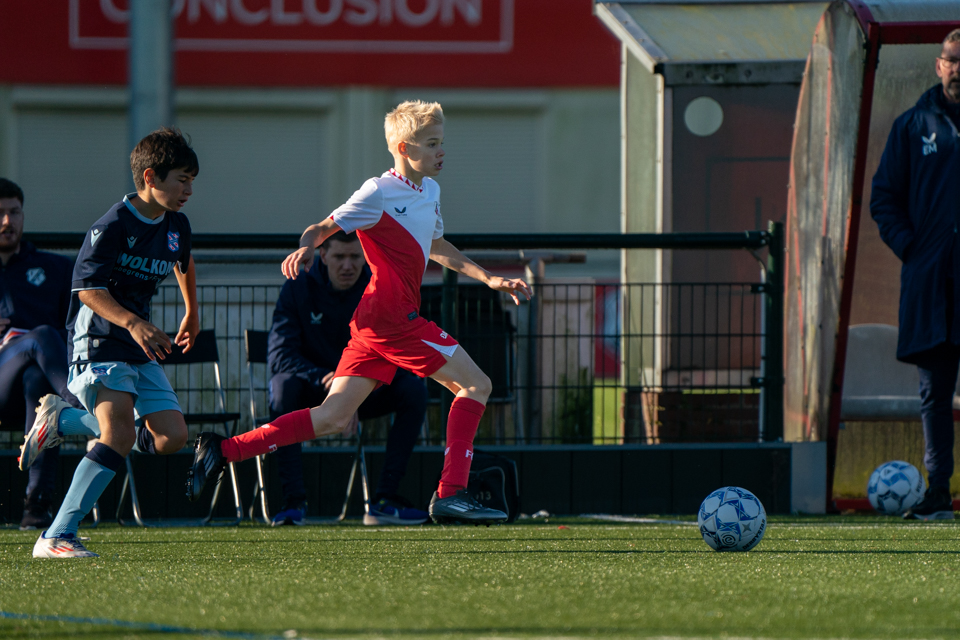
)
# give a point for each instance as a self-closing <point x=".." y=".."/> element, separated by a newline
<point x="173" y="241"/>
<point x="443" y="334"/>
<point x="401" y="212"/>
<point x="315" y="317"/>
<point x="436" y="208"/>
<point x="36" y="276"/>
<point x="468" y="454"/>
<point x="94" y="236"/>
<point x="929" y="144"/>
<point x="144" y="268"/>
<point x="132" y="240"/>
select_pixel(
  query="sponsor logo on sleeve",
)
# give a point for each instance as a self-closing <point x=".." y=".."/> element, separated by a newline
<point x="173" y="241"/>
<point x="36" y="276"/>
<point x="94" y="236"/>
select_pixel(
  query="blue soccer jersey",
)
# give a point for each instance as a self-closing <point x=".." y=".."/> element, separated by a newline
<point x="129" y="256"/>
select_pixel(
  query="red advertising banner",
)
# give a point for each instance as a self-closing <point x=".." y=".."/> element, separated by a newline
<point x="406" y="43"/>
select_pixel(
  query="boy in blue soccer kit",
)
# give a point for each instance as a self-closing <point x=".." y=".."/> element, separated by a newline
<point x="113" y="348"/>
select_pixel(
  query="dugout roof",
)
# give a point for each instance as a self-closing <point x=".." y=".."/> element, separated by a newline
<point x="710" y="42"/>
<point x="853" y="89"/>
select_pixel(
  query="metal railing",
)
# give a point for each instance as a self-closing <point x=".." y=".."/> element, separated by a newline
<point x="601" y="363"/>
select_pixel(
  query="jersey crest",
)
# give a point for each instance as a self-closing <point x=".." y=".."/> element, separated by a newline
<point x="173" y="241"/>
<point x="36" y="276"/>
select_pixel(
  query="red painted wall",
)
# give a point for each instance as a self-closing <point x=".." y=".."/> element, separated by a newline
<point x="309" y="43"/>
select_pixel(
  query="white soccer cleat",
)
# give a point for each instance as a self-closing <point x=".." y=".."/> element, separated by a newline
<point x="43" y="434"/>
<point x="70" y="547"/>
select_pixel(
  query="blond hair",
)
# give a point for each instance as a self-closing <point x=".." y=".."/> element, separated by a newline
<point x="410" y="118"/>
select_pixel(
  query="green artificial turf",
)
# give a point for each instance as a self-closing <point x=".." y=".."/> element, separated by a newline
<point x="840" y="577"/>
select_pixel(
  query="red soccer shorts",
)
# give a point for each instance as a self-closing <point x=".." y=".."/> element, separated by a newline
<point x="421" y="351"/>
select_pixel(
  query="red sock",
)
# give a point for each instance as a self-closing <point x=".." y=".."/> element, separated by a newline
<point x="462" y="426"/>
<point x="287" y="429"/>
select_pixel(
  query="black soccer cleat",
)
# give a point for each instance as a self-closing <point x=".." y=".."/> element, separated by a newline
<point x="208" y="464"/>
<point x="461" y="507"/>
<point x="937" y="504"/>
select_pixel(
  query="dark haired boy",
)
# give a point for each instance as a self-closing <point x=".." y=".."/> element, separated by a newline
<point x="113" y="348"/>
<point x="34" y="297"/>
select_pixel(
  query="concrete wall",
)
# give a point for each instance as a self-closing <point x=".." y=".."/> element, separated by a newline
<point x="274" y="161"/>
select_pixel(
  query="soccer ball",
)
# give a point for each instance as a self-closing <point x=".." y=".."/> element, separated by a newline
<point x="894" y="487"/>
<point x="732" y="519"/>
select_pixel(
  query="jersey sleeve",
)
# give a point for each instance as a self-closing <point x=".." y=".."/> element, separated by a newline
<point x="98" y="255"/>
<point x="362" y="210"/>
<point x="186" y="244"/>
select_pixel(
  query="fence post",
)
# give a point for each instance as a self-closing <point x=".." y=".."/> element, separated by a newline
<point x="448" y="318"/>
<point x="773" y="379"/>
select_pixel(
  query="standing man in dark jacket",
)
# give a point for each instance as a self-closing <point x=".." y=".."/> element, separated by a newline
<point x="34" y="297"/>
<point x="311" y="328"/>
<point x="916" y="203"/>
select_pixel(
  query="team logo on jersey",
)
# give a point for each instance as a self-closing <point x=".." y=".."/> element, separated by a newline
<point x="101" y="370"/>
<point x="132" y="240"/>
<point x="94" y="236"/>
<point x="173" y="241"/>
<point x="36" y="276"/>
<point x="929" y="144"/>
<point x="436" y="208"/>
<point x="315" y="317"/>
<point x="401" y="212"/>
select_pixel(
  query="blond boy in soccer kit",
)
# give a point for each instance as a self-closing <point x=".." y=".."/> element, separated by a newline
<point x="397" y="218"/>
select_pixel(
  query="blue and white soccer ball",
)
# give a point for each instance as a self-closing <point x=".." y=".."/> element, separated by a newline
<point x="732" y="519"/>
<point x="894" y="487"/>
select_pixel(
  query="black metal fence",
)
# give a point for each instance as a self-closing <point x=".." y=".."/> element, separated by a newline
<point x="584" y="362"/>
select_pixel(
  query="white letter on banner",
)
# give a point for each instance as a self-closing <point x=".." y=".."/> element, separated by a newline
<point x="244" y="16"/>
<point x="322" y="18"/>
<point x="471" y="10"/>
<point x="216" y="8"/>
<point x="411" y="19"/>
<point x="278" y="15"/>
<point x="364" y="17"/>
<point x="112" y="13"/>
<point x="386" y="12"/>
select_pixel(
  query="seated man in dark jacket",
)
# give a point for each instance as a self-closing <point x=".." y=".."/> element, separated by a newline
<point x="311" y="327"/>
<point x="34" y="296"/>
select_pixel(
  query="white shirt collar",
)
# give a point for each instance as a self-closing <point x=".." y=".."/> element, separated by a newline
<point x="408" y="182"/>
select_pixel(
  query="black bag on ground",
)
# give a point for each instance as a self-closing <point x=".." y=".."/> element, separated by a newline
<point x="494" y="483"/>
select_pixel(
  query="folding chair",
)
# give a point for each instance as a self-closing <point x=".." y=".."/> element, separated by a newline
<point x="256" y="343"/>
<point x="204" y="351"/>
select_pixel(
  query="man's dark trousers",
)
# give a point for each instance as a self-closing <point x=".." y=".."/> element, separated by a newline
<point x="938" y="381"/>
<point x="32" y="366"/>
<point x="406" y="396"/>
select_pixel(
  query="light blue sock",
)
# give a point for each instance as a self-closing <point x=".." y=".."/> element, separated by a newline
<point x="92" y="476"/>
<point x="76" y="422"/>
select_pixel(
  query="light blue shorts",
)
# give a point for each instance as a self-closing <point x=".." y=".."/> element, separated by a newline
<point x="145" y="382"/>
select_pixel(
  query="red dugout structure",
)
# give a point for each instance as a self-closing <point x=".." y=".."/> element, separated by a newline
<point x="869" y="62"/>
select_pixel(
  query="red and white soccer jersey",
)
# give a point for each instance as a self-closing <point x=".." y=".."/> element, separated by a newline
<point x="396" y="222"/>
